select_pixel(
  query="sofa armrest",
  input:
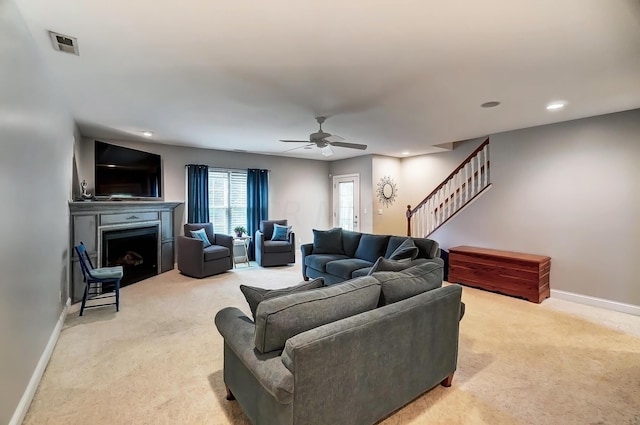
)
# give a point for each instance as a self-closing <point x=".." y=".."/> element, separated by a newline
<point x="237" y="330"/>
<point x="306" y="249"/>
<point x="190" y="255"/>
<point x="292" y="240"/>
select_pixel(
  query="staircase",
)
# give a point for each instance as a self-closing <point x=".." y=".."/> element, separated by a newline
<point x="461" y="187"/>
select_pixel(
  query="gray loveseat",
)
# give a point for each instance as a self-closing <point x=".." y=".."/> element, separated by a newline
<point x="350" y="353"/>
<point x="338" y="255"/>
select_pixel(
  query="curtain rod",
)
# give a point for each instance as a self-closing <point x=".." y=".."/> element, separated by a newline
<point x="226" y="168"/>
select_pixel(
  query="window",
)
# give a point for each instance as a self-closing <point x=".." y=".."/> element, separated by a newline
<point x="227" y="200"/>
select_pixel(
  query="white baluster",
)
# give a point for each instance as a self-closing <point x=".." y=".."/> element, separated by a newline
<point x="486" y="164"/>
<point x="466" y="182"/>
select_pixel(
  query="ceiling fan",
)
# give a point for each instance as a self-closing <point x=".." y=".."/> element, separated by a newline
<point x="325" y="141"/>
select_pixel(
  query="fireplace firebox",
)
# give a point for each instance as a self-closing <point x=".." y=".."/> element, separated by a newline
<point x="135" y="249"/>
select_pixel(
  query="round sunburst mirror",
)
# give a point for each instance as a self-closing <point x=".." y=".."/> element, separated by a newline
<point x="387" y="191"/>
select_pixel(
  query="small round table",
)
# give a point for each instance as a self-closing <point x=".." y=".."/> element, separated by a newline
<point x="244" y="242"/>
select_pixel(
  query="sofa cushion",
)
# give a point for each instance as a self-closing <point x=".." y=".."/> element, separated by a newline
<point x="280" y="318"/>
<point x="371" y="247"/>
<point x="215" y="252"/>
<point x="350" y="241"/>
<point x="255" y="296"/>
<point x="319" y="261"/>
<point x="385" y="265"/>
<point x="397" y="286"/>
<point x="344" y="268"/>
<point x="405" y="265"/>
<point x="327" y="241"/>
<point x="277" y="246"/>
<point x="201" y="234"/>
<point x="406" y="250"/>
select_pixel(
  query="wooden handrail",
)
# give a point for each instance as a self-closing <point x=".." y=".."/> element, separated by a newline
<point x="410" y="212"/>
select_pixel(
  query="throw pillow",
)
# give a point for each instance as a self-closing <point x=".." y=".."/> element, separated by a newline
<point x="202" y="235"/>
<point x="384" y="265"/>
<point x="280" y="318"/>
<point x="327" y="241"/>
<point x="397" y="286"/>
<point x="255" y="296"/>
<point x="407" y="249"/>
<point x="280" y="232"/>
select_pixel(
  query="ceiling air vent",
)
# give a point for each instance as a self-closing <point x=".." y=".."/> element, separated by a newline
<point x="64" y="43"/>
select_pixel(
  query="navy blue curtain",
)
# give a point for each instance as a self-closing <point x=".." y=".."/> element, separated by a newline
<point x="257" y="203"/>
<point x="197" y="193"/>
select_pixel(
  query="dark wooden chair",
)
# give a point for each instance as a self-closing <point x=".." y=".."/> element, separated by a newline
<point x="100" y="283"/>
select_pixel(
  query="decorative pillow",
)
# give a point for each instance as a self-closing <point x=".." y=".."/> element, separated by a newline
<point x="384" y="265"/>
<point x="397" y="286"/>
<point x="327" y="241"/>
<point x="280" y="232"/>
<point x="407" y="249"/>
<point x="255" y="296"/>
<point x="371" y="247"/>
<point x="202" y="235"/>
<point x="278" y="319"/>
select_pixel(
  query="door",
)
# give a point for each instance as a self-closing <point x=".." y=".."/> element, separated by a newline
<point x="346" y="202"/>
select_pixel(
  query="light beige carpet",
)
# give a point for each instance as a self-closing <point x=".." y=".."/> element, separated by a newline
<point x="159" y="361"/>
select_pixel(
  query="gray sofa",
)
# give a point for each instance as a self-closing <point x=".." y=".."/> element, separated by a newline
<point x="338" y="255"/>
<point x="351" y="353"/>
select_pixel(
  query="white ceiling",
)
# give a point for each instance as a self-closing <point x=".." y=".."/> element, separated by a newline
<point x="398" y="75"/>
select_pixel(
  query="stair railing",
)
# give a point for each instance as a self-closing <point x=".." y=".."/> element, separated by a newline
<point x="462" y="186"/>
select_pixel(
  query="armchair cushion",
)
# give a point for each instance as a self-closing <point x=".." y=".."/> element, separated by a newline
<point x="278" y="319"/>
<point x="202" y="235"/>
<point x="255" y="296"/>
<point x="277" y="246"/>
<point x="280" y="232"/>
<point x="214" y="252"/>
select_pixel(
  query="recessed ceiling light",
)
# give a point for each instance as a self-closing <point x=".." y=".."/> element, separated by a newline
<point x="491" y="104"/>
<point x="405" y="153"/>
<point x="554" y="106"/>
<point x="147" y="133"/>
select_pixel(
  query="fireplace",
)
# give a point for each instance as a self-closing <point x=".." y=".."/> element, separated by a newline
<point x="135" y="249"/>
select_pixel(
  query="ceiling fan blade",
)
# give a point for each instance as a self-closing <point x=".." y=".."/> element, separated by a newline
<point x="295" y="141"/>
<point x="333" y="138"/>
<point x="349" y="145"/>
<point x="307" y="146"/>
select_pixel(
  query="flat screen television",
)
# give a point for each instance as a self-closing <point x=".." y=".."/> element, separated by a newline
<point x="126" y="173"/>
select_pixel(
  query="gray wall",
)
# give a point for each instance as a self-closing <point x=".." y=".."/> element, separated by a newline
<point x="567" y="190"/>
<point x="36" y="144"/>
<point x="299" y="189"/>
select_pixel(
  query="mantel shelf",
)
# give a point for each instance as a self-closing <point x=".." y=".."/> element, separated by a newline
<point x="116" y="206"/>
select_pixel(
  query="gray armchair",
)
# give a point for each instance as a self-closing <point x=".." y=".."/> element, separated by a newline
<point x="197" y="261"/>
<point x="273" y="253"/>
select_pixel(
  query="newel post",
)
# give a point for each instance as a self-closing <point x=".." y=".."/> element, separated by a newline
<point x="408" y="214"/>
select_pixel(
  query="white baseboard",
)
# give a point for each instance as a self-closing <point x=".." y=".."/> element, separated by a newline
<point x="30" y="391"/>
<point x="596" y="302"/>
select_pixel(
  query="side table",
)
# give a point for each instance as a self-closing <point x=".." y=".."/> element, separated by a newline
<point x="242" y="241"/>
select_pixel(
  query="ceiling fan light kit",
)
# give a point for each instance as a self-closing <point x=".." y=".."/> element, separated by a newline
<point x="326" y="150"/>
<point x="325" y="141"/>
